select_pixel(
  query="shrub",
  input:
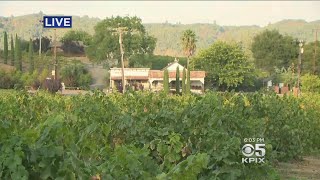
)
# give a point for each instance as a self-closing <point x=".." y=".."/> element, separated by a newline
<point x="310" y="83"/>
<point x="43" y="75"/>
<point x="7" y="81"/>
<point x="76" y="75"/>
<point x="29" y="79"/>
<point x="52" y="85"/>
<point x="10" y="80"/>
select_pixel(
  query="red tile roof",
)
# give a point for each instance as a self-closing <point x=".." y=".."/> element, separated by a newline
<point x="155" y="74"/>
<point x="197" y="74"/>
<point x="159" y="74"/>
<point x="130" y="77"/>
<point x="172" y="74"/>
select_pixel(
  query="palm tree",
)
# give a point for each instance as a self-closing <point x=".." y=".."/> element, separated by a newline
<point x="188" y="41"/>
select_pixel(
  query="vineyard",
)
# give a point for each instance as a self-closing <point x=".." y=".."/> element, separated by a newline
<point x="151" y="136"/>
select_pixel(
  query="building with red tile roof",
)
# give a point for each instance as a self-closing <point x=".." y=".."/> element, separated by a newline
<point x="153" y="79"/>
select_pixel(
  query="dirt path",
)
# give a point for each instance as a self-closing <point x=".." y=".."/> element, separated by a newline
<point x="6" y="67"/>
<point x="308" y="168"/>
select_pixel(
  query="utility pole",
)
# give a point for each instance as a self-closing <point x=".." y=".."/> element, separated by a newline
<point x="55" y="56"/>
<point x="315" y="50"/>
<point x="41" y="21"/>
<point x="292" y="72"/>
<point x="120" y="31"/>
<point x="299" y="65"/>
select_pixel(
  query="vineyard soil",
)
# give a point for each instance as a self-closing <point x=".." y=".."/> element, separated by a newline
<point x="308" y="168"/>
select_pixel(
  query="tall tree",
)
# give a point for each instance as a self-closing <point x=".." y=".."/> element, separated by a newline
<point x="12" y="52"/>
<point x="77" y="36"/>
<point x="24" y="45"/>
<point x="74" y="42"/>
<point x="188" y="41"/>
<point x="45" y="44"/>
<point x="166" y="81"/>
<point x="5" y="48"/>
<point x="116" y="39"/>
<point x="308" y="58"/>
<point x="105" y="48"/>
<point x="31" y="59"/>
<point x="271" y="49"/>
<point x="18" y="55"/>
<point x="226" y="65"/>
<point x="177" y="81"/>
<point x="188" y="85"/>
<point x="184" y="81"/>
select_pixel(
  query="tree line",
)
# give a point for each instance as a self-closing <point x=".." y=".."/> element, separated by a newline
<point x="29" y="72"/>
<point x="16" y="53"/>
<point x="227" y="65"/>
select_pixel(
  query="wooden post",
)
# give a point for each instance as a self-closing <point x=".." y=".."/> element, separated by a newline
<point x="55" y="55"/>
<point x="299" y="65"/>
<point x="40" y="37"/>
<point x="315" y="51"/>
<point x="120" y="31"/>
<point x="122" y="63"/>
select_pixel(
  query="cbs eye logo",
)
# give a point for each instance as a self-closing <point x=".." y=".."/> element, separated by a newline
<point x="248" y="150"/>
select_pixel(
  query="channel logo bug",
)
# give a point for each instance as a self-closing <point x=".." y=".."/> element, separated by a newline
<point x="253" y="153"/>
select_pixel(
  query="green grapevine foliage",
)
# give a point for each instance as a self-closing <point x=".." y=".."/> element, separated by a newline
<point x="151" y="136"/>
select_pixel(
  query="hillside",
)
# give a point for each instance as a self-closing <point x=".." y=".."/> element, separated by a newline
<point x="168" y="35"/>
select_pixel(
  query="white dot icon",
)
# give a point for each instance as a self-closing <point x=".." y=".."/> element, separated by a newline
<point x="248" y="150"/>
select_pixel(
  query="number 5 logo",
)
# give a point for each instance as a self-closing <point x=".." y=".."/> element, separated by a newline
<point x="260" y="150"/>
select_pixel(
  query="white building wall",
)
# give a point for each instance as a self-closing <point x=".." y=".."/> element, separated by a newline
<point x="196" y="83"/>
<point x="173" y="67"/>
<point x="144" y="72"/>
<point x="116" y="72"/>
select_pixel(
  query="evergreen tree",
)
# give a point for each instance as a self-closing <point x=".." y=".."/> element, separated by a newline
<point x="177" y="81"/>
<point x="188" y="86"/>
<point x="18" y="55"/>
<point x="5" y="48"/>
<point x="166" y="81"/>
<point x="12" y="52"/>
<point x="31" y="60"/>
<point x="184" y="81"/>
<point x="271" y="49"/>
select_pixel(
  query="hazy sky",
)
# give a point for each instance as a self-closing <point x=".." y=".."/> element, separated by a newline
<point x="224" y="13"/>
